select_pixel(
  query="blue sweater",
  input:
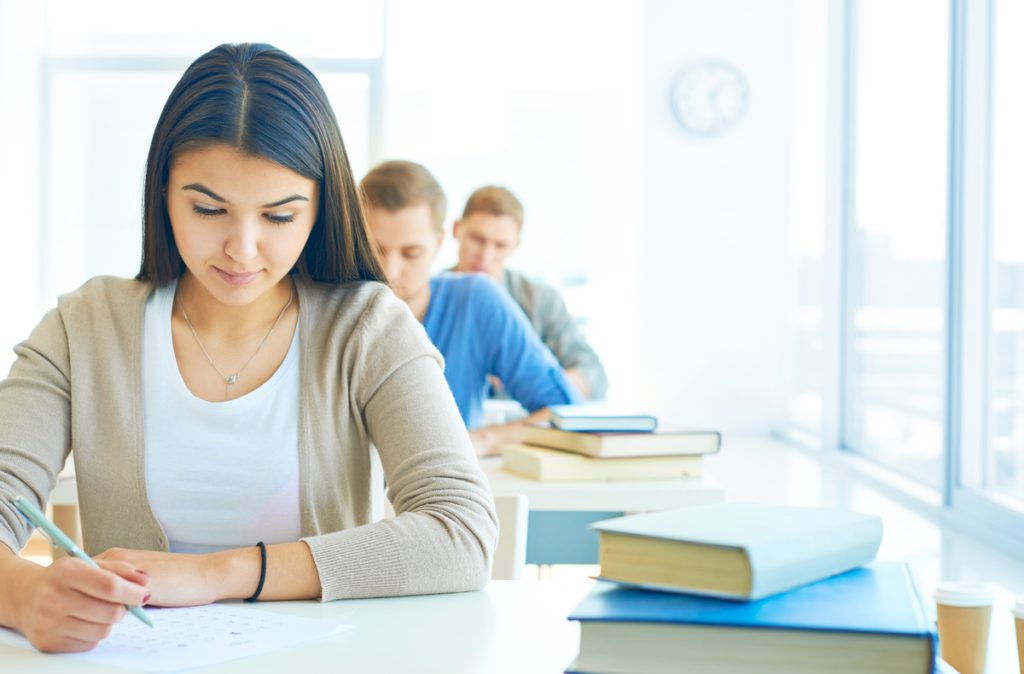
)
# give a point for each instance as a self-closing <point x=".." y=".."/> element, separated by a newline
<point x="480" y="330"/>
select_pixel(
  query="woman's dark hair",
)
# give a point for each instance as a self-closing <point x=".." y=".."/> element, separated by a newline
<point x="263" y="102"/>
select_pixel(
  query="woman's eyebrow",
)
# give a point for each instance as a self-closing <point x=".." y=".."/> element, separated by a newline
<point x="282" y="202"/>
<point x="196" y="187"/>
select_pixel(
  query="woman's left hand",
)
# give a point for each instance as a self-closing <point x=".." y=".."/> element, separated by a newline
<point x="177" y="579"/>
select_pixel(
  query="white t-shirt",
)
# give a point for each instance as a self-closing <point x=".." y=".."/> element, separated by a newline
<point x="219" y="474"/>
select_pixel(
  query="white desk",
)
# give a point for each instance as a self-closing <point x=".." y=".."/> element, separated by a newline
<point x="624" y="496"/>
<point x="561" y="512"/>
<point x="581" y="497"/>
<point x="627" y="496"/>
<point x="513" y="627"/>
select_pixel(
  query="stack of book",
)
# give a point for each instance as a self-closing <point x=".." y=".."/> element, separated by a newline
<point x="737" y="587"/>
<point x="588" y="442"/>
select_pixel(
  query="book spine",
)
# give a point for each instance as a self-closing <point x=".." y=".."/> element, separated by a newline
<point x="581" y="443"/>
<point x="792" y="562"/>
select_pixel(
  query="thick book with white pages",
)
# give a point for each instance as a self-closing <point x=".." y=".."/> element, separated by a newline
<point x="735" y="550"/>
<point x="870" y="620"/>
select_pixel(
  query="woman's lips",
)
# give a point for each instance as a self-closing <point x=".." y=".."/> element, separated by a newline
<point x="237" y="279"/>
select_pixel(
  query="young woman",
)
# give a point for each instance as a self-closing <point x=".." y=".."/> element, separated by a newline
<point x="229" y="395"/>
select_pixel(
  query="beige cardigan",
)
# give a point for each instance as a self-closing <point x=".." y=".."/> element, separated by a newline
<point x="368" y="374"/>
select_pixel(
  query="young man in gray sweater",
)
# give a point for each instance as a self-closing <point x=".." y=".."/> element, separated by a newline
<point x="488" y="233"/>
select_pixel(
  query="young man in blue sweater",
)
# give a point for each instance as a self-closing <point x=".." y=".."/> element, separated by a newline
<point x="472" y="321"/>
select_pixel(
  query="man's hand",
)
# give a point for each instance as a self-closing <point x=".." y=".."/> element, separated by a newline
<point x="486" y="442"/>
<point x="578" y="380"/>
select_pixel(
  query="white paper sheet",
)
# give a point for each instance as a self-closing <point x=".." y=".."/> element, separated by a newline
<point x="186" y="638"/>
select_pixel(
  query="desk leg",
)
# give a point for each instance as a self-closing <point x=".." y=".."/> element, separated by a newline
<point x="66" y="518"/>
<point x="563" y="537"/>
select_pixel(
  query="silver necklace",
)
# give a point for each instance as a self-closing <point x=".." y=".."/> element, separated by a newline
<point x="230" y="379"/>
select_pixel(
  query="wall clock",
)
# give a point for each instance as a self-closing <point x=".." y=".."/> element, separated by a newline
<point x="710" y="97"/>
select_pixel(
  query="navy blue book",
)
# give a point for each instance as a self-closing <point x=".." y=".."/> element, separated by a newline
<point x="866" y="621"/>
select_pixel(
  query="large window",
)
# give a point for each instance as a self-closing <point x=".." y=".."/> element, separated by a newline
<point x="806" y="339"/>
<point x="928" y="178"/>
<point x="998" y="468"/>
<point x="896" y="280"/>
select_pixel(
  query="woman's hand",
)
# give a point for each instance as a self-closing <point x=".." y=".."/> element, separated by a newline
<point x="70" y="607"/>
<point x="176" y="579"/>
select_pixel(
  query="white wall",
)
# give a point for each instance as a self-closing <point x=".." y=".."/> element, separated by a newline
<point x="542" y="97"/>
<point x="713" y="239"/>
<point x="682" y="241"/>
<point x="21" y="33"/>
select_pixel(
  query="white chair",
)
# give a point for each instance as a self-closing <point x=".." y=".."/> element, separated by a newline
<point x="510" y="555"/>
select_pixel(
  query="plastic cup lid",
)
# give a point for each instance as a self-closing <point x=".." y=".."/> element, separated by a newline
<point x="964" y="593"/>
<point x="1018" y="607"/>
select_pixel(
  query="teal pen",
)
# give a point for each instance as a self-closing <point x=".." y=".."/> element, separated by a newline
<point x="59" y="538"/>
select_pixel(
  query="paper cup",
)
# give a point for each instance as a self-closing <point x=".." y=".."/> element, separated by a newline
<point x="965" y="612"/>
<point x="1018" y="614"/>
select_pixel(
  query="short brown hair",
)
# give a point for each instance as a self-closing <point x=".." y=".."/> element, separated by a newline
<point x="494" y="200"/>
<point x="398" y="184"/>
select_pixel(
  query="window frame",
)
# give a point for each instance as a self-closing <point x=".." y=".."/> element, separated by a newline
<point x="971" y="107"/>
<point x="968" y="280"/>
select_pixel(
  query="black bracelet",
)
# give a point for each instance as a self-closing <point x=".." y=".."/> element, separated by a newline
<point x="263" y="572"/>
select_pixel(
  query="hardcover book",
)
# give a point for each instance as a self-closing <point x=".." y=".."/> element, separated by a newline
<point x="554" y="465"/>
<point x="611" y="445"/>
<point x="735" y="550"/>
<point x="866" y="621"/>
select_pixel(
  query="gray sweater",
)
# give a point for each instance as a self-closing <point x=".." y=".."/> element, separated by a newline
<point x="557" y="329"/>
<point x="368" y="374"/>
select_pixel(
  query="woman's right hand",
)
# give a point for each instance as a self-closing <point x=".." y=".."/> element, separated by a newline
<point x="70" y="607"/>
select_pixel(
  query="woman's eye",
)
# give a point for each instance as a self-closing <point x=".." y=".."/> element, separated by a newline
<point x="206" y="212"/>
<point x="278" y="219"/>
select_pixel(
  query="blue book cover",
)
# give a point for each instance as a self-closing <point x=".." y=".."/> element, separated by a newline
<point x="878" y="599"/>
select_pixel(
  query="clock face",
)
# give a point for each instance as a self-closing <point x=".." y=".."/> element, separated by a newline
<point x="710" y="97"/>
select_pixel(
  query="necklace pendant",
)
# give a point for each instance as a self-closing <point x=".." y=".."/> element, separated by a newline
<point x="229" y="380"/>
